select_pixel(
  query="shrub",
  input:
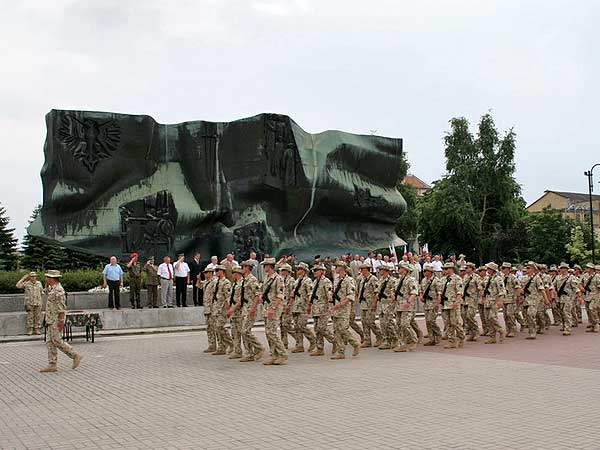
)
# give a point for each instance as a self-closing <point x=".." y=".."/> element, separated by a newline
<point x="72" y="281"/>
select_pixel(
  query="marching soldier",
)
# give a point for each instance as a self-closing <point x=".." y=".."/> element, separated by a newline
<point x="385" y="297"/>
<point x="406" y="293"/>
<point x="428" y="295"/>
<point x="220" y="303"/>
<point x="493" y="296"/>
<point x="235" y="312"/>
<point x="319" y="307"/>
<point x="33" y="301"/>
<point x="342" y="299"/>
<point x="250" y="292"/>
<point x="590" y="288"/>
<point x="577" y="318"/>
<point x="566" y="287"/>
<point x="152" y="282"/>
<point x="482" y="273"/>
<point x="208" y="291"/>
<point x="367" y="290"/>
<point x="287" y="322"/>
<point x="450" y="294"/>
<point x="470" y="299"/>
<point x="55" y="321"/>
<point x="512" y="286"/>
<point x="300" y="299"/>
<point x="555" y="305"/>
<point x="543" y="317"/>
<point x="272" y="298"/>
<point x="533" y="288"/>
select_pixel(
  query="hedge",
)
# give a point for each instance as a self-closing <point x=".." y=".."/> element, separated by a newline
<point x="72" y="281"/>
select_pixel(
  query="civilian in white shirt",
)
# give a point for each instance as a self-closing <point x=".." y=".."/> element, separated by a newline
<point x="182" y="279"/>
<point x="214" y="262"/>
<point x="437" y="265"/>
<point x="377" y="262"/>
<point x="369" y="260"/>
<point x="165" y="272"/>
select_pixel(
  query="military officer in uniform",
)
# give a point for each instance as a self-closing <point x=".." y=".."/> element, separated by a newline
<point x="566" y="287"/>
<point x="220" y="303"/>
<point x="249" y="302"/>
<point x="300" y="299"/>
<point x="493" y="297"/>
<point x="55" y="321"/>
<point x="367" y="290"/>
<point x="208" y="291"/>
<point x="405" y="294"/>
<point x="512" y="286"/>
<point x="342" y="299"/>
<point x="428" y="294"/>
<point x="272" y="298"/>
<point x="287" y="322"/>
<point x="385" y="298"/>
<point x="33" y="301"/>
<point x="152" y="282"/>
<point x="235" y="312"/>
<point x="319" y="308"/>
<point x="590" y="288"/>
<point x="470" y="299"/>
<point x="135" y="281"/>
<point x="450" y="295"/>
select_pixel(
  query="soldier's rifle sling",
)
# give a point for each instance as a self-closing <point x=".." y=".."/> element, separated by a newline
<point x="444" y="298"/>
<point x="265" y="296"/>
<point x="587" y="288"/>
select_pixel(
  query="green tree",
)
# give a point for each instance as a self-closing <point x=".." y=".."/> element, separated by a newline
<point x="577" y="248"/>
<point x="548" y="233"/>
<point x="477" y="206"/>
<point x="408" y="225"/>
<point x="8" y="243"/>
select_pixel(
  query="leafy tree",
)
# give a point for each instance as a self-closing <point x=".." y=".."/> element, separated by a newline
<point x="8" y="243"/>
<point x="577" y="248"/>
<point x="548" y="233"/>
<point x="477" y="206"/>
<point x="408" y="225"/>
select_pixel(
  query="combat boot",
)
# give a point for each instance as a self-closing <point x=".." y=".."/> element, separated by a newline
<point x="451" y="345"/>
<point x="461" y="343"/>
<point x="36" y="331"/>
<point x="566" y="333"/>
<point x="311" y="347"/>
<point x="210" y="350"/>
<point x="400" y="349"/>
<point x="366" y="345"/>
<point x="378" y="342"/>
<point x="29" y="331"/>
<point x="298" y="349"/>
<point x="356" y="350"/>
<point x="234" y="356"/>
<point x="76" y="361"/>
<point x="510" y="334"/>
<point x="219" y="352"/>
<point x="338" y="356"/>
<point x="501" y="336"/>
<point x="412" y="347"/>
<point x="317" y="352"/>
<point x="472" y="338"/>
<point x="280" y="361"/>
<point x="247" y="358"/>
<point x="259" y="354"/>
<point x="51" y="368"/>
<point x="596" y="328"/>
<point x="269" y="362"/>
<point x="491" y="340"/>
<point x="385" y="346"/>
<point x="531" y="336"/>
<point x="430" y="343"/>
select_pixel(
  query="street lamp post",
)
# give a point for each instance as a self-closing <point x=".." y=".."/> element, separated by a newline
<point x="589" y="174"/>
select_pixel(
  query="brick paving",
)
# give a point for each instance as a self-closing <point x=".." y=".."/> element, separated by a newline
<point x="162" y="392"/>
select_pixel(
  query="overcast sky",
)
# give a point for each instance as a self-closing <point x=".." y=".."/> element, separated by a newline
<point x="403" y="68"/>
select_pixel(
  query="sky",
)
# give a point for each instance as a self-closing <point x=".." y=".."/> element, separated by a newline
<point x="402" y="68"/>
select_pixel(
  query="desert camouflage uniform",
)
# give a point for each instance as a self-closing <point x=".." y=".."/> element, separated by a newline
<point x="235" y="320"/>
<point x="386" y="289"/>
<point x="533" y="289"/>
<point x="405" y="310"/>
<point x="272" y="290"/>
<point x="208" y="290"/>
<point x="219" y="305"/>
<point x="301" y="294"/>
<point x="493" y="287"/>
<point x="566" y="287"/>
<point x="33" y="304"/>
<point x="543" y="317"/>
<point x="430" y="291"/>
<point x="287" y="321"/>
<point x="554" y="303"/>
<point x="319" y="298"/>
<point x="481" y="307"/>
<point x="345" y="289"/>
<point x="450" y="287"/>
<point x="512" y="286"/>
<point x="55" y="305"/>
<point x="577" y="318"/>
<point x="250" y="290"/>
<point x="367" y="288"/>
<point x="591" y="292"/>
<point x="470" y="299"/>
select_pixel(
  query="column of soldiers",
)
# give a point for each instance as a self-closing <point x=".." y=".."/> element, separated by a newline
<point x="287" y="302"/>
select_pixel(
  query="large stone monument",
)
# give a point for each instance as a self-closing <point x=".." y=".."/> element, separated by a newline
<point x="117" y="183"/>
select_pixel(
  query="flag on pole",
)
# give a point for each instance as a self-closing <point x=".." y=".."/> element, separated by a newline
<point x="425" y="248"/>
<point x="392" y="250"/>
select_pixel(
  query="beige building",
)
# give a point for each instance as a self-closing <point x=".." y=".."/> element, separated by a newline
<point x="572" y="204"/>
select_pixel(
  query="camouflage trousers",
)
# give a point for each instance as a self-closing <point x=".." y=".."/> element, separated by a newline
<point x="342" y="335"/>
<point x="388" y="328"/>
<point x="273" y="338"/>
<point x="510" y="322"/>
<point x="406" y="333"/>
<point x="236" y="332"/>
<point x="135" y="287"/>
<point x="556" y="313"/>
<point x="152" y="291"/>
<point x="484" y="323"/>
<point x="491" y="317"/>
<point x="576" y="312"/>
<point x="433" y="329"/>
<point x="251" y="343"/>
<point x="34" y="314"/>
<point x="210" y="332"/>
<point x="567" y="315"/>
<point x="530" y="319"/>
<point x="367" y="317"/>
<point x="287" y="328"/>
<point x="592" y="310"/>
<point x="452" y="317"/>
<point x="301" y="329"/>
<point x="322" y="331"/>
<point x="353" y="324"/>
<point x="470" y="325"/>
<point x="519" y="316"/>
<point x="415" y="326"/>
<point x="223" y="338"/>
<point x="55" y="342"/>
<point x="543" y="320"/>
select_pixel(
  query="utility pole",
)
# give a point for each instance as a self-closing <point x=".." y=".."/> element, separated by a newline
<point x="589" y="174"/>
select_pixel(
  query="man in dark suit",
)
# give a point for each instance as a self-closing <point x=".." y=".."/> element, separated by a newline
<point x="195" y="271"/>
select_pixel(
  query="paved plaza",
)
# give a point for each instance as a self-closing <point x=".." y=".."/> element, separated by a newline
<point x="161" y="392"/>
